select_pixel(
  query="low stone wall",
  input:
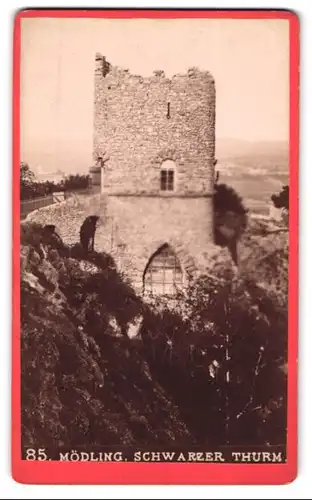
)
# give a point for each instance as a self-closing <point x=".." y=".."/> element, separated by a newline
<point x="68" y="215"/>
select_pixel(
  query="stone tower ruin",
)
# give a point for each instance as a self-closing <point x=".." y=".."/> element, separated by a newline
<point x="154" y="139"/>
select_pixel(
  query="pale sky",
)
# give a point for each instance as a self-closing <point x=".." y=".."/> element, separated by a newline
<point x="249" y="60"/>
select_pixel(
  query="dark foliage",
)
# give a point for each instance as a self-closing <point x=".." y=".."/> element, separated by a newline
<point x="230" y="218"/>
<point x="30" y="188"/>
<point x="211" y="370"/>
<point x="223" y="363"/>
<point x="281" y="200"/>
<point x="84" y="381"/>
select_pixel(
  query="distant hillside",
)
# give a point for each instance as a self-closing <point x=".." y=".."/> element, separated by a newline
<point x="256" y="170"/>
<point x="236" y="148"/>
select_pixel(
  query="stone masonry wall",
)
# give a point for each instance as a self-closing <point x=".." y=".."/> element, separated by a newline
<point x="131" y="126"/>
<point x="132" y="228"/>
<point x="143" y="224"/>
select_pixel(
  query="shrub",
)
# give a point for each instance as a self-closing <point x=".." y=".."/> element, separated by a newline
<point x="223" y="362"/>
<point x="230" y="218"/>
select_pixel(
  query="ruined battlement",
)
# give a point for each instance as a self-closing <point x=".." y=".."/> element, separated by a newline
<point x="104" y="69"/>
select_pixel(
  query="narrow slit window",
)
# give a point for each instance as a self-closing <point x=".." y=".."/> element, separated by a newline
<point x="168" y="110"/>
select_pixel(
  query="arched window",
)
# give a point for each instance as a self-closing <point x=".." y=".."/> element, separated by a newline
<point x="167" y="175"/>
<point x="163" y="275"/>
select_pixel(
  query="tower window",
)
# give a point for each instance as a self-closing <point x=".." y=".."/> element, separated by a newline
<point x="166" y="180"/>
<point x="167" y="174"/>
<point x="163" y="275"/>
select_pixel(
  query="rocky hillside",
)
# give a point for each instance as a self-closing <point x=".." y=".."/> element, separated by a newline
<point x="100" y="367"/>
<point x="84" y="381"/>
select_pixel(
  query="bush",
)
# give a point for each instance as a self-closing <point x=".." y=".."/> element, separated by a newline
<point x="223" y="363"/>
<point x="230" y="220"/>
<point x="281" y="200"/>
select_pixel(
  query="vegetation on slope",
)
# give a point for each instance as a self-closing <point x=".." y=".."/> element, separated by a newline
<point x="225" y="362"/>
<point x="210" y="371"/>
<point x="83" y="382"/>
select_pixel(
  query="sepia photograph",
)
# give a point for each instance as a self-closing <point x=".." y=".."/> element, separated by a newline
<point x="154" y="239"/>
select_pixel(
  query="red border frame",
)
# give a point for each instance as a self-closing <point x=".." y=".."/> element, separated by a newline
<point x="161" y="473"/>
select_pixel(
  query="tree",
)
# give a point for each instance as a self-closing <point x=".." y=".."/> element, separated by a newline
<point x="76" y="182"/>
<point x="230" y="218"/>
<point x="27" y="181"/>
<point x="30" y="188"/>
<point x="26" y="175"/>
<point x="281" y="200"/>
